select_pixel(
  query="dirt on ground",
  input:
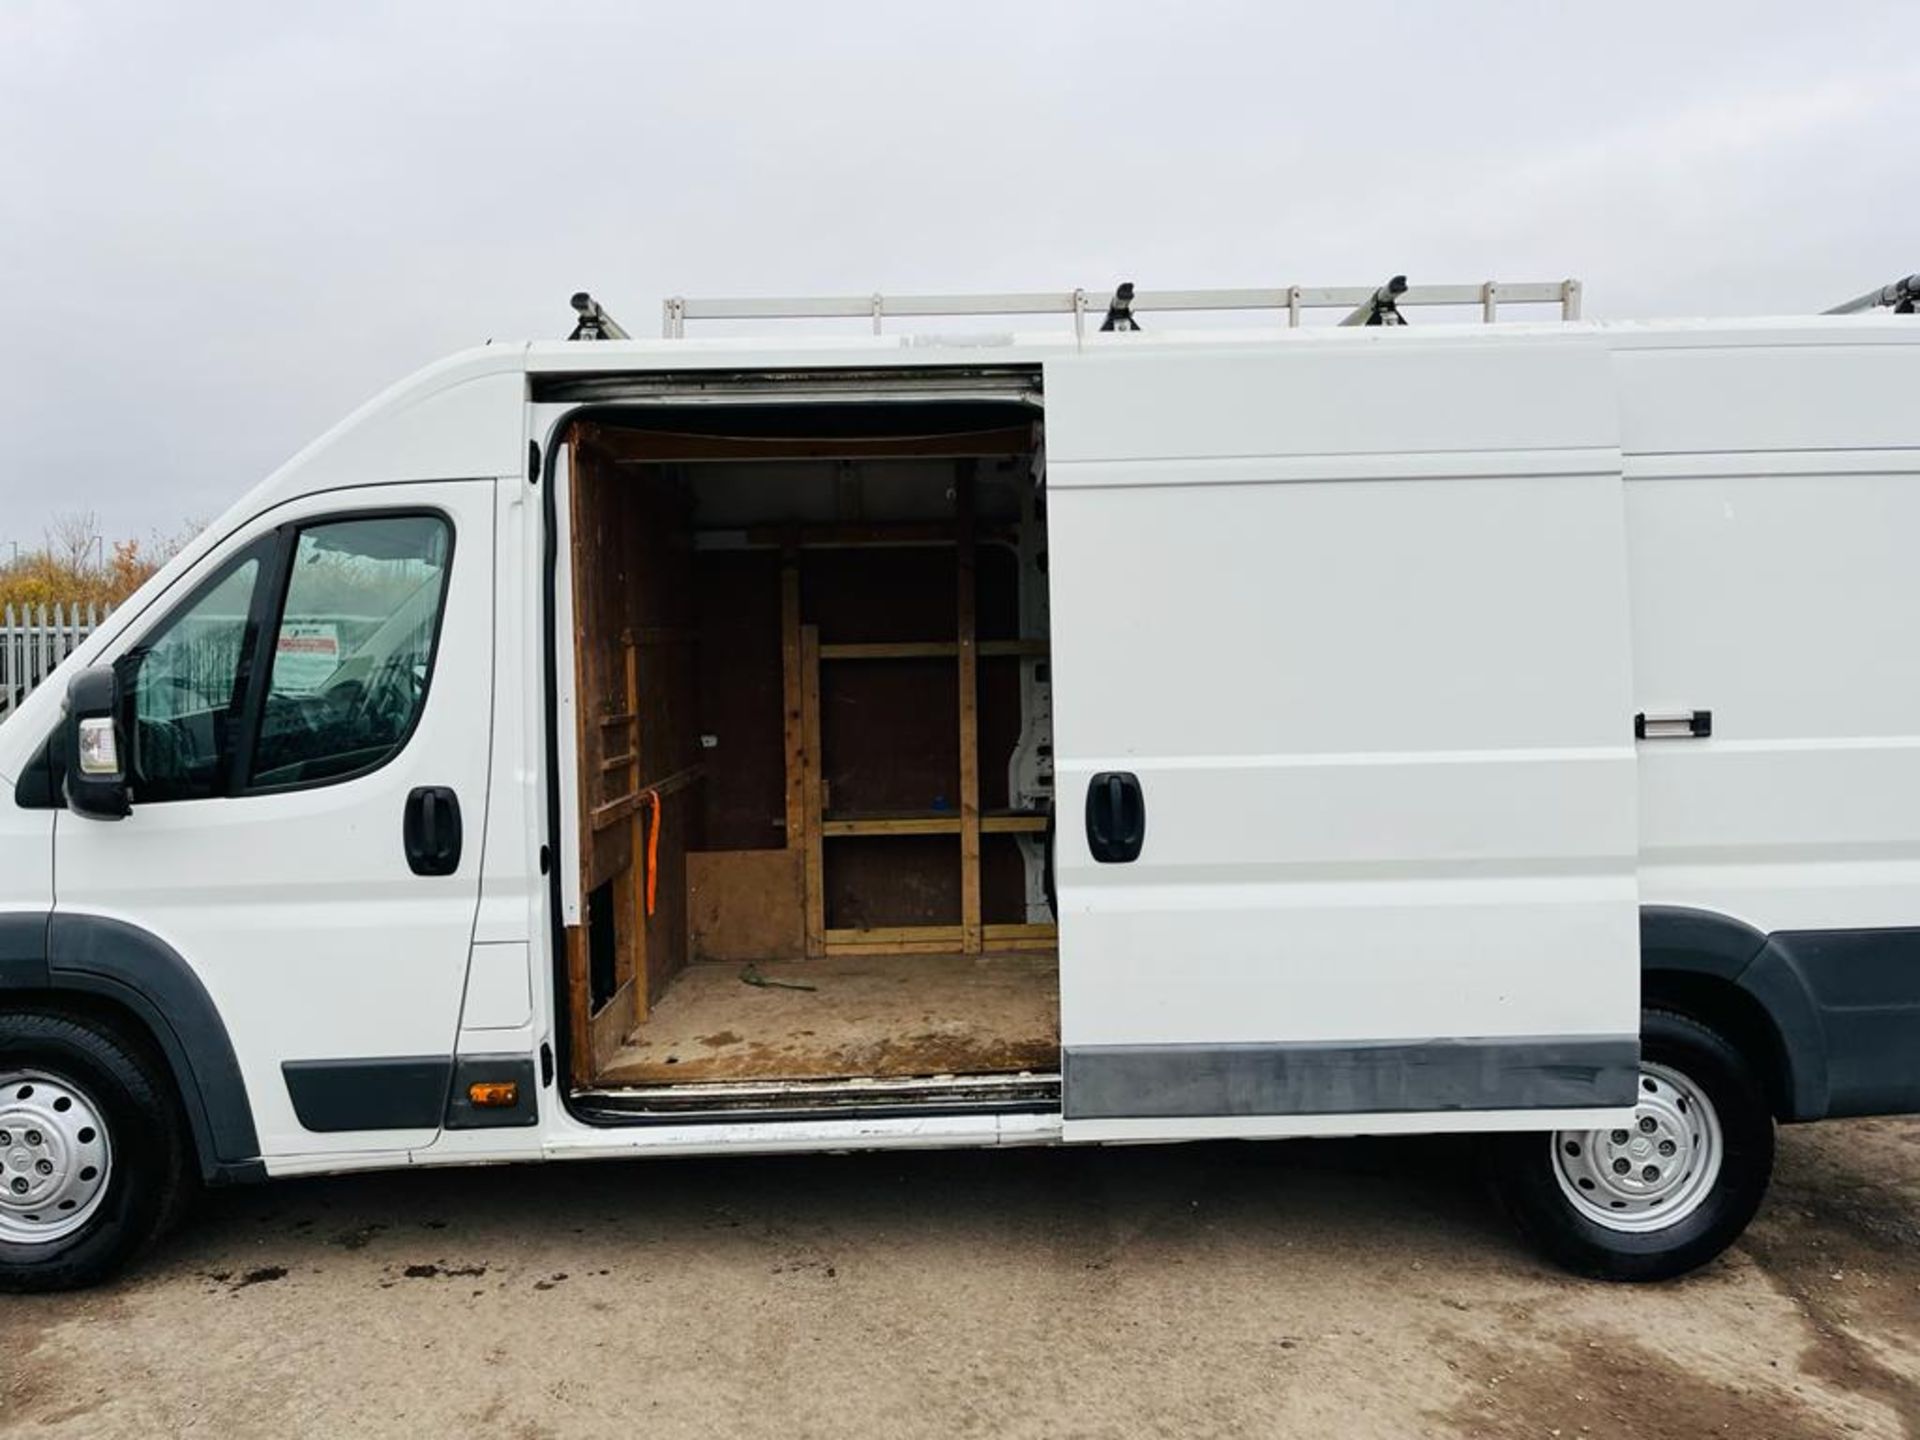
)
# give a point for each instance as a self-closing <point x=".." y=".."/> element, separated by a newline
<point x="1349" y="1288"/>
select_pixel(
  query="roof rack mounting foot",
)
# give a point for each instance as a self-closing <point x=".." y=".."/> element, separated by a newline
<point x="594" y="322"/>
<point x="1901" y="297"/>
<point x="1382" y="307"/>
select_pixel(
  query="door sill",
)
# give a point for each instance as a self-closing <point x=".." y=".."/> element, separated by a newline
<point x="1027" y="1093"/>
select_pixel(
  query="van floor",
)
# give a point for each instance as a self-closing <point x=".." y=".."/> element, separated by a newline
<point x="888" y="1016"/>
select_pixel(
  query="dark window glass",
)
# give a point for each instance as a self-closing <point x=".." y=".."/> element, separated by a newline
<point x="188" y="685"/>
<point x="354" y="648"/>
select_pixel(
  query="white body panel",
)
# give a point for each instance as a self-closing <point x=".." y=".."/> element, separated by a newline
<point x="1378" y="699"/>
<point x="566" y="719"/>
<point x="498" y="994"/>
<point x="26" y="857"/>
<point x="1773" y="501"/>
<point x="297" y="910"/>
<point x="505" y="1008"/>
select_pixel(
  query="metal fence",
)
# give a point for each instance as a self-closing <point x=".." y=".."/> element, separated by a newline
<point x="36" y="639"/>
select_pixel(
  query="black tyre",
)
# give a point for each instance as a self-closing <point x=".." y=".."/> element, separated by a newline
<point x="1669" y="1191"/>
<point x="92" y="1151"/>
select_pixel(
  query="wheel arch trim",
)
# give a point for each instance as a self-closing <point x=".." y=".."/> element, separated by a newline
<point x="1704" y="944"/>
<point x="142" y="977"/>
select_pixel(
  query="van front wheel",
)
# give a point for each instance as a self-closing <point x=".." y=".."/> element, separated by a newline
<point x="1664" y="1192"/>
<point x="92" y="1159"/>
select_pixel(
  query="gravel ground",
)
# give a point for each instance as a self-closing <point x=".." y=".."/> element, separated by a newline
<point x="1351" y="1288"/>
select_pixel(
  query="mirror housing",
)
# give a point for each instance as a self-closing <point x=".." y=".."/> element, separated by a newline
<point x="96" y="765"/>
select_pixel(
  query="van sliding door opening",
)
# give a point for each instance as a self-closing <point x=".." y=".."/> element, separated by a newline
<point x="811" y="751"/>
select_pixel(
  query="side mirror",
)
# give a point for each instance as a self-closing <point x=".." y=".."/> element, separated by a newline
<point x="96" y="783"/>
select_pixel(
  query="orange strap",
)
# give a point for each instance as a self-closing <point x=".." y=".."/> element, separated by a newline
<point x="653" y="848"/>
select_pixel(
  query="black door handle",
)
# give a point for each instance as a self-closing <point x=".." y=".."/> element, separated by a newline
<point x="1116" y="817"/>
<point x="432" y="830"/>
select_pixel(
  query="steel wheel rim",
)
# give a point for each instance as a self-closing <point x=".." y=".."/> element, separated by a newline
<point x="1653" y="1172"/>
<point x="55" y="1157"/>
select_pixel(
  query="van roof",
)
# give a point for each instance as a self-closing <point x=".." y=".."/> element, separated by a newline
<point x="464" y="415"/>
<point x="777" y="350"/>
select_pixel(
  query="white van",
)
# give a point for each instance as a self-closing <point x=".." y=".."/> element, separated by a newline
<point x="617" y="748"/>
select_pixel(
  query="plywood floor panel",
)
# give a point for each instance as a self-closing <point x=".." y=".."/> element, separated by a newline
<point x="885" y="1015"/>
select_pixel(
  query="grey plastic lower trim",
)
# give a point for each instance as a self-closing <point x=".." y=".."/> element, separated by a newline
<point x="400" y="1093"/>
<point x="1865" y="987"/>
<point x="1705" y="942"/>
<point x="1127" y="1082"/>
<point x="23" y="950"/>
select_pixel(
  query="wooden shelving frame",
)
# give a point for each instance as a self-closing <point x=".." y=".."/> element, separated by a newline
<point x="810" y="827"/>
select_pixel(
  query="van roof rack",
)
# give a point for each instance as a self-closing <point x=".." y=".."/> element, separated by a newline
<point x="1900" y="297"/>
<point x="1366" y="304"/>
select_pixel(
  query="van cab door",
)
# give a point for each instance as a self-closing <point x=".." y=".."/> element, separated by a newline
<point x="1344" y="738"/>
<point x="308" y="722"/>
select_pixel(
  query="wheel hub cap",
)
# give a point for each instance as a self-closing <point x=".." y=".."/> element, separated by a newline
<point x="1652" y="1173"/>
<point x="54" y="1157"/>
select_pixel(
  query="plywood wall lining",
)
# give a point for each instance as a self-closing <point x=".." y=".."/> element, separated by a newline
<point x="889" y="881"/>
<point x="740" y="673"/>
<point x="634" y="606"/>
<point x="746" y="905"/>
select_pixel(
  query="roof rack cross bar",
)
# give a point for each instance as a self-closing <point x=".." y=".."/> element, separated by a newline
<point x="1291" y="300"/>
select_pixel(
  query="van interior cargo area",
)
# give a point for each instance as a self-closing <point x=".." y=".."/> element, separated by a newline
<point x="813" y="748"/>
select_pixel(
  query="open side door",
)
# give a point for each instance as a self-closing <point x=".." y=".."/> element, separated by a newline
<point x="1344" y="738"/>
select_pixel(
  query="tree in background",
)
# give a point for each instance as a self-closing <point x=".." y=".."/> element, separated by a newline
<point x="77" y="566"/>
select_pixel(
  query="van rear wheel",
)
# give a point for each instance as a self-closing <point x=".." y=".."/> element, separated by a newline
<point x="92" y="1154"/>
<point x="1663" y="1193"/>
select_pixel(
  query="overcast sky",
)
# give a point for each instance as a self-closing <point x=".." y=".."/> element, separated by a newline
<point x="221" y="227"/>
